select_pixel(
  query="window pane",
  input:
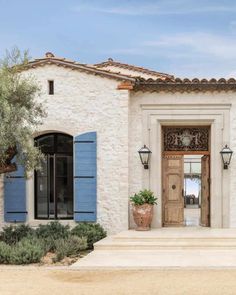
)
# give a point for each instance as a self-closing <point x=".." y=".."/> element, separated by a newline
<point x="51" y="188"/>
<point x="42" y="192"/>
<point x="64" y="144"/>
<point x="64" y="186"/>
<point x="54" y="183"/>
<point x="46" y="144"/>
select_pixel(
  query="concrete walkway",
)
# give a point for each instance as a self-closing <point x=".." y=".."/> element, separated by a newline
<point x="164" y="248"/>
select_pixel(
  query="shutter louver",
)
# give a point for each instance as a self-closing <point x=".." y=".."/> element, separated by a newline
<point x="15" y="196"/>
<point x="85" y="177"/>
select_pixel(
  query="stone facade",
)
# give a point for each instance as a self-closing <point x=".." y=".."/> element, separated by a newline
<point x="82" y="103"/>
<point x="124" y="121"/>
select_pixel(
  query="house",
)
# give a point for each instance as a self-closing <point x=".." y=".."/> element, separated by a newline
<point x="98" y="118"/>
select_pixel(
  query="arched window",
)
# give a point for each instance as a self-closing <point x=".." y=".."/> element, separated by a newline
<point x="54" y="183"/>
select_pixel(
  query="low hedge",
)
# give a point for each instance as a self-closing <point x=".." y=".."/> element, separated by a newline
<point x="94" y="232"/>
<point x="13" y="234"/>
<point x="21" y="244"/>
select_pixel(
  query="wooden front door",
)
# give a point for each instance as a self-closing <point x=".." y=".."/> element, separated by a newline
<point x="173" y="181"/>
<point x="205" y="191"/>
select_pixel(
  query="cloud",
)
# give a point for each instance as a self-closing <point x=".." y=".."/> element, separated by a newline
<point x="161" y="7"/>
<point x="210" y="45"/>
<point x="195" y="54"/>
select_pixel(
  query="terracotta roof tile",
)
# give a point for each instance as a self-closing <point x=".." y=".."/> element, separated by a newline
<point x="185" y="85"/>
<point x="111" y="62"/>
<point x="78" y="66"/>
<point x="163" y="82"/>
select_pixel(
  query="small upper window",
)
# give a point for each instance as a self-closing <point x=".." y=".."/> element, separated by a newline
<point x="50" y="87"/>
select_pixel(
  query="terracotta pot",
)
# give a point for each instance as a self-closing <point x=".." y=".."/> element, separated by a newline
<point x="143" y="216"/>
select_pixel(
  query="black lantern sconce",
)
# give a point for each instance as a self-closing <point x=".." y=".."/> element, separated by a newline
<point x="226" y="155"/>
<point x="144" y="154"/>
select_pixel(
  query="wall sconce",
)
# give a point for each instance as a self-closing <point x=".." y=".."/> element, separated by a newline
<point x="226" y="155"/>
<point x="144" y="154"/>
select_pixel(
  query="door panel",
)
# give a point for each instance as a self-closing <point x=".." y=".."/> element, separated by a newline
<point x="205" y="191"/>
<point x="173" y="180"/>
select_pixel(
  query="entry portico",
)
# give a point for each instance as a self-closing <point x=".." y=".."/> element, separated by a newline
<point x="157" y="114"/>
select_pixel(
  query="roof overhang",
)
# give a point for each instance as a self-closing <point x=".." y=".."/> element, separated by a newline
<point x="77" y="66"/>
<point x="185" y="85"/>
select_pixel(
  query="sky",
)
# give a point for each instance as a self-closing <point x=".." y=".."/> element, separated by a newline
<point x="187" y="38"/>
<point x="192" y="187"/>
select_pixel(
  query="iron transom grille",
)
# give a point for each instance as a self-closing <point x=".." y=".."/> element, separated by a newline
<point x="186" y="138"/>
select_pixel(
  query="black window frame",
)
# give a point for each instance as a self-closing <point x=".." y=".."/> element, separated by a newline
<point x="51" y="87"/>
<point x="53" y="153"/>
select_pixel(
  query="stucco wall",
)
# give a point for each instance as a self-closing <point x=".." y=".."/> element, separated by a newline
<point x="140" y="130"/>
<point x="83" y="103"/>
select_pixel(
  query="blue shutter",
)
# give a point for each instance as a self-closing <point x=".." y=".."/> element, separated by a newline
<point x="85" y="177"/>
<point x="15" y="196"/>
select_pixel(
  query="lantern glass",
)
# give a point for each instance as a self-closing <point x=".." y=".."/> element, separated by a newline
<point x="144" y="154"/>
<point x="226" y="155"/>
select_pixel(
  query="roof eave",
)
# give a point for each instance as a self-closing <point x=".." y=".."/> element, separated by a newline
<point x="74" y="65"/>
<point x="185" y="85"/>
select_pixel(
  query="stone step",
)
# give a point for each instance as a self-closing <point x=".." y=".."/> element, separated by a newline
<point x="170" y="239"/>
<point x="141" y="259"/>
<point x="164" y="248"/>
<point x="166" y="245"/>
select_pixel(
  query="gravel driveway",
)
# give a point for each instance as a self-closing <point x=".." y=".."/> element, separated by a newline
<point x="41" y="280"/>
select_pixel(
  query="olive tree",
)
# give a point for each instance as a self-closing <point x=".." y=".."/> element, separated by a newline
<point x="20" y="114"/>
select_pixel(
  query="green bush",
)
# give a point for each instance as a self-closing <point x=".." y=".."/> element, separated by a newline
<point x="23" y="245"/>
<point x="51" y="232"/>
<point x="70" y="246"/>
<point x="13" y="234"/>
<point x="49" y="244"/>
<point x="93" y="231"/>
<point x="5" y="252"/>
<point x="28" y="250"/>
<point x="144" y="197"/>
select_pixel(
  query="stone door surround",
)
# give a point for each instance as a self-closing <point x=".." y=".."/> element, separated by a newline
<point x="216" y="116"/>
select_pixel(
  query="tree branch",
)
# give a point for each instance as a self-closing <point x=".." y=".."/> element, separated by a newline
<point x="7" y="166"/>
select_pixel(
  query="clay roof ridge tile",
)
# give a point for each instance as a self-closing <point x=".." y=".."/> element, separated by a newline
<point x="132" y="67"/>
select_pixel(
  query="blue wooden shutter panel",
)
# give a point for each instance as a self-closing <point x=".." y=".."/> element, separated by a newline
<point x="85" y="177"/>
<point x="15" y="196"/>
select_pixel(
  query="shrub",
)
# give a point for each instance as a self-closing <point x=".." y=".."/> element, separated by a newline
<point x="70" y="246"/>
<point x="5" y="252"/>
<point x="93" y="231"/>
<point x="49" y="244"/>
<point x="51" y="232"/>
<point x="28" y="250"/>
<point x="144" y="197"/>
<point x="13" y="234"/>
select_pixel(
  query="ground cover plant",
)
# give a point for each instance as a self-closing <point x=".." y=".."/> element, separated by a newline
<point x="22" y="244"/>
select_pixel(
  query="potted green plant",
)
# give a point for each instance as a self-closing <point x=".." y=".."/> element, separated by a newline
<point x="142" y="205"/>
